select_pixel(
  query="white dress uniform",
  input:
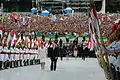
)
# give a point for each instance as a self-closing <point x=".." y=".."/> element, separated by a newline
<point x="110" y="59"/>
<point x="117" y="63"/>
<point x="35" y="54"/>
<point x="21" y="54"/>
<point x="8" y="52"/>
<point x="32" y="55"/>
<point x="1" y="55"/>
<point x="17" y="54"/>
<point x="114" y="60"/>
<point x="12" y="55"/>
<point x="5" y="55"/>
<point x="25" y="54"/>
<point x="1" y="58"/>
<point x="28" y="55"/>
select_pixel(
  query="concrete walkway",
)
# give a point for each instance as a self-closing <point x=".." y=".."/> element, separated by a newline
<point x="67" y="70"/>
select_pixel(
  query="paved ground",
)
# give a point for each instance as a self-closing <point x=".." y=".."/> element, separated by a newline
<point x="67" y="70"/>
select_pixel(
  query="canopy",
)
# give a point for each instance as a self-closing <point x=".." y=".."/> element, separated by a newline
<point x="45" y="13"/>
<point x="34" y="10"/>
<point x="68" y="10"/>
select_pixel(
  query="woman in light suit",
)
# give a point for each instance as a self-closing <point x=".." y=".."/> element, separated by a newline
<point x="43" y="54"/>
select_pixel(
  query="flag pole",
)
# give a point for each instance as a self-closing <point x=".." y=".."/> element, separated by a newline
<point x="101" y="48"/>
<point x="101" y="42"/>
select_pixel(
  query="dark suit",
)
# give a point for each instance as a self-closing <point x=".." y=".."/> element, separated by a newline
<point x="1" y="65"/>
<point x="53" y="54"/>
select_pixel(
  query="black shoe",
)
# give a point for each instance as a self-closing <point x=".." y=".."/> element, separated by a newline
<point x="51" y="69"/>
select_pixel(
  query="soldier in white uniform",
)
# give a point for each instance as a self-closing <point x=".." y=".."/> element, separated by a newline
<point x="33" y="57"/>
<point x="12" y="58"/>
<point x="38" y="59"/>
<point x="17" y="57"/>
<point x="117" y="65"/>
<point x="21" y="57"/>
<point x="6" y="58"/>
<point x="27" y="56"/>
<point x="8" y="52"/>
<point x="30" y="57"/>
<point x="112" y="61"/>
<point x="1" y="58"/>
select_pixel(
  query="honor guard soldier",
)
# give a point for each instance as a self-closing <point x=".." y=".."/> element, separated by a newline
<point x="117" y="65"/>
<point x="1" y="57"/>
<point x="24" y="54"/>
<point x="28" y="56"/>
<point x="33" y="57"/>
<point x="12" y="56"/>
<point x="6" y="58"/>
<point x="36" y="57"/>
<point x="17" y="57"/>
<point x="8" y="52"/>
<point x="31" y="61"/>
<point x="21" y="57"/>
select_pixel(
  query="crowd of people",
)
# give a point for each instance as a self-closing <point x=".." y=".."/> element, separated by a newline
<point x="58" y="23"/>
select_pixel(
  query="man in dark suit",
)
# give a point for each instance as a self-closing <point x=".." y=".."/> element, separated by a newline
<point x="53" y="52"/>
<point x="1" y="65"/>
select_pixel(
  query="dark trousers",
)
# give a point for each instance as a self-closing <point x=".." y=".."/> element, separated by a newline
<point x="53" y="63"/>
<point x="37" y="61"/>
<point x="6" y="64"/>
<point x="1" y="65"/>
<point x="16" y="63"/>
<point x="117" y="75"/>
<point x="25" y="62"/>
<point x="113" y="73"/>
<point x="61" y="54"/>
<point x="83" y="56"/>
<point x="28" y="62"/>
<point x="12" y="64"/>
<point x="31" y="62"/>
<point x="21" y="63"/>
